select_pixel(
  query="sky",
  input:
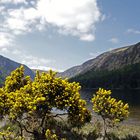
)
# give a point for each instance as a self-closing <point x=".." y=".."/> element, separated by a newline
<point x="59" y="34"/>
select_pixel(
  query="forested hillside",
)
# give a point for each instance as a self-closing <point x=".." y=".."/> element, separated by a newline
<point x="126" y="77"/>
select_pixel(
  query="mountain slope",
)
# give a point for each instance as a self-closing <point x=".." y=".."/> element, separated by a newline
<point x="111" y="60"/>
<point x="7" y="65"/>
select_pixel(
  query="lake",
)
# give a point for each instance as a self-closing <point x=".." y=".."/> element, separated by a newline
<point x="132" y="97"/>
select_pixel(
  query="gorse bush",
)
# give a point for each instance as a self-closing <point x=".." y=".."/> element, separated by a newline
<point x="108" y="108"/>
<point x="29" y="104"/>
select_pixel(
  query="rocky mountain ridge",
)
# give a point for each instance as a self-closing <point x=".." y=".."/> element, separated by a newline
<point x="111" y="60"/>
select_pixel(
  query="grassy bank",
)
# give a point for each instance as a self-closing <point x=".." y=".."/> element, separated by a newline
<point x="122" y="132"/>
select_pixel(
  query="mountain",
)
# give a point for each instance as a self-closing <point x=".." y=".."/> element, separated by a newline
<point x="7" y="65"/>
<point x="111" y="60"/>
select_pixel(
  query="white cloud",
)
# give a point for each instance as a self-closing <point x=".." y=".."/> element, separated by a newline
<point x="87" y="37"/>
<point x="21" y="21"/>
<point x="30" y="14"/>
<point x="114" y="40"/>
<point x="69" y="17"/>
<point x="6" y="39"/>
<point x="74" y="17"/>
<point x="16" y="24"/>
<point x="133" y="31"/>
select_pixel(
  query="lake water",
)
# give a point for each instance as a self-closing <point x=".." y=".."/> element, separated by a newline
<point x="132" y="97"/>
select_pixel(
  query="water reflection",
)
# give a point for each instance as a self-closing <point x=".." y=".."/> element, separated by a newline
<point x="132" y="97"/>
